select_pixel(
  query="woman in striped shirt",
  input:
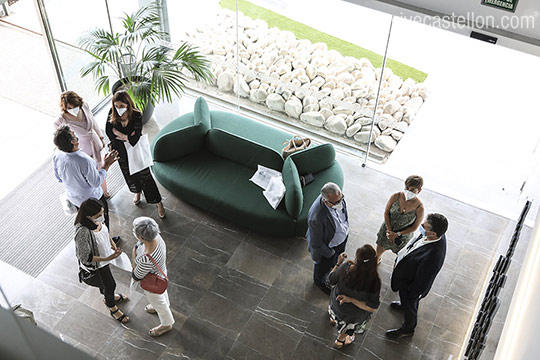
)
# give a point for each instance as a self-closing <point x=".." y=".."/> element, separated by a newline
<point x="150" y="243"/>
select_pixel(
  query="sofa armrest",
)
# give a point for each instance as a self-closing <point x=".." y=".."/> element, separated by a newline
<point x="314" y="159"/>
<point x="175" y="144"/>
<point x="294" y="197"/>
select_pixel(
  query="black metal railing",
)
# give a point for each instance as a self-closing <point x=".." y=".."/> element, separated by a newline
<point x="491" y="302"/>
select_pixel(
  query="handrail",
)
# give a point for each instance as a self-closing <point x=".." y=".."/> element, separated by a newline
<point x="491" y="301"/>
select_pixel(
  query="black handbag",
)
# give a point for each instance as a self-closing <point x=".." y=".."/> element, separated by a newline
<point x="91" y="278"/>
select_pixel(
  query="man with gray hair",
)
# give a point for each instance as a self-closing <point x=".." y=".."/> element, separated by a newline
<point x="328" y="231"/>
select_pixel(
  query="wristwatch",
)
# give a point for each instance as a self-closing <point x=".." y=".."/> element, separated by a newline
<point x="398" y="233"/>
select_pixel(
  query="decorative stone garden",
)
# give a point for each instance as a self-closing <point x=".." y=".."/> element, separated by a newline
<point x="309" y="82"/>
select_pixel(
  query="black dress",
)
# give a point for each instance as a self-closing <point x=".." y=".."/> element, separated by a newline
<point x="142" y="181"/>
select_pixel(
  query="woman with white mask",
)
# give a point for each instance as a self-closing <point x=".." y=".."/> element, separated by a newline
<point x="124" y="125"/>
<point x="76" y="114"/>
<point x="402" y="216"/>
<point x="95" y="250"/>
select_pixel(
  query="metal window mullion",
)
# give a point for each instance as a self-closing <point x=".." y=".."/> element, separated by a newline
<point x="49" y="41"/>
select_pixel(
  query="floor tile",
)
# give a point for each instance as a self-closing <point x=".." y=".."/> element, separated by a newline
<point x="240" y="351"/>
<point x="256" y="263"/>
<point x="239" y="288"/>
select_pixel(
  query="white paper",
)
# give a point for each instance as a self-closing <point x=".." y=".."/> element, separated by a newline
<point x="122" y="262"/>
<point x="275" y="191"/>
<point x="67" y="206"/>
<point x="263" y="175"/>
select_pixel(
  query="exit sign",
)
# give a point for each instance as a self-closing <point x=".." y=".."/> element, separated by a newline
<point x="508" y="5"/>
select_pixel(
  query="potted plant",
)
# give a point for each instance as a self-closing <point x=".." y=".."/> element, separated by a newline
<point x="140" y="62"/>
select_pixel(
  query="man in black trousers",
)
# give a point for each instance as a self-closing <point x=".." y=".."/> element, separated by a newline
<point x="416" y="267"/>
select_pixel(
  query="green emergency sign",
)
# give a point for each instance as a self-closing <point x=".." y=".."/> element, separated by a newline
<point x="508" y="5"/>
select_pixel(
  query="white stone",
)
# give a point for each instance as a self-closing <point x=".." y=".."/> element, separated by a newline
<point x="391" y="107"/>
<point x="303" y="78"/>
<point x="322" y="71"/>
<point x="353" y="129"/>
<point x="219" y="51"/>
<point x="287" y="77"/>
<point x="337" y="94"/>
<point x="336" y="124"/>
<point x="397" y="135"/>
<point x="363" y="137"/>
<point x="286" y="94"/>
<point x="293" y="108"/>
<point x="296" y="83"/>
<point x="402" y="126"/>
<point x="282" y="69"/>
<point x="398" y="115"/>
<point x="325" y="112"/>
<point x="225" y="81"/>
<point x="241" y="87"/>
<point x="312" y="107"/>
<point x="313" y="118"/>
<point x="329" y="85"/>
<point x="311" y="71"/>
<point x="275" y="102"/>
<point x="301" y="92"/>
<point x="318" y="81"/>
<point x="299" y="64"/>
<point x="394" y="82"/>
<point x="387" y="73"/>
<point x="254" y="84"/>
<point x="349" y="120"/>
<point x="402" y="100"/>
<point x="413" y="105"/>
<point x="343" y="110"/>
<point x="385" y="143"/>
<point x="345" y="77"/>
<point x="364" y="121"/>
<point x="308" y="100"/>
<point x="257" y="95"/>
<point x="368" y="75"/>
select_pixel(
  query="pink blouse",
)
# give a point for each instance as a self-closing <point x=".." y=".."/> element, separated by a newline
<point x="88" y="132"/>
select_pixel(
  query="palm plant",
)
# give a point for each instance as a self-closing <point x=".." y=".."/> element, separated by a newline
<point x="150" y="71"/>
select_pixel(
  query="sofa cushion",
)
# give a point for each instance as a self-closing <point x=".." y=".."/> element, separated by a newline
<point x="314" y="159"/>
<point x="256" y="131"/>
<point x="241" y="150"/>
<point x="222" y="187"/>
<point x="293" y="189"/>
<point x="178" y="143"/>
<point x="202" y="113"/>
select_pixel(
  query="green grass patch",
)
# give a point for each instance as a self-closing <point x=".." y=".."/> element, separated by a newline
<point x="302" y="31"/>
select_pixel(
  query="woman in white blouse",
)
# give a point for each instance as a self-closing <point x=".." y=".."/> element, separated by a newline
<point x="150" y="246"/>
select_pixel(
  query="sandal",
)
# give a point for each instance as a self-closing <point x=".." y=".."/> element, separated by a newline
<point x="333" y="322"/>
<point x="150" y="309"/>
<point x="137" y="199"/>
<point x="338" y="344"/>
<point x="123" y="318"/>
<point x="159" y="330"/>
<point x="122" y="299"/>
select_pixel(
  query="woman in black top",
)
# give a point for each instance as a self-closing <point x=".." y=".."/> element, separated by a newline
<point x="355" y="294"/>
<point x="125" y="125"/>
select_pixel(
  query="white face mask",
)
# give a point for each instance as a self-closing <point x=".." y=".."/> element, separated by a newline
<point x="409" y="194"/>
<point x="338" y="207"/>
<point x="100" y="219"/>
<point x="74" y="111"/>
<point x="121" y="111"/>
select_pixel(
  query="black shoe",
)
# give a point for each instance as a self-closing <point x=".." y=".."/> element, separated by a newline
<point x="325" y="289"/>
<point x="398" y="333"/>
<point x="116" y="239"/>
<point x="396" y="306"/>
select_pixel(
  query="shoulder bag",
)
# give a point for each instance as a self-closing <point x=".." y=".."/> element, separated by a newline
<point x="154" y="283"/>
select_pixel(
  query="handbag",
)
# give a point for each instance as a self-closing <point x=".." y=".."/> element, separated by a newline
<point x="139" y="156"/>
<point x="67" y="206"/>
<point x="154" y="283"/>
<point x="91" y="278"/>
<point x="296" y="143"/>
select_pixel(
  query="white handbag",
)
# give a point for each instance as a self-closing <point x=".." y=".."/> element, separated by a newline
<point x="139" y="156"/>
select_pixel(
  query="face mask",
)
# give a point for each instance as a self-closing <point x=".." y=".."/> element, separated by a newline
<point x="74" y="111"/>
<point x="338" y="207"/>
<point x="121" y="111"/>
<point x="409" y="194"/>
<point x="422" y="230"/>
<point x="99" y="220"/>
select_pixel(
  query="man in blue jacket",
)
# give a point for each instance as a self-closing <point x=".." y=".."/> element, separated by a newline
<point x="328" y="231"/>
<point x="416" y="267"/>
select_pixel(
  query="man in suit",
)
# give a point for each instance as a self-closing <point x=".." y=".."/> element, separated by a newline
<point x="415" y="269"/>
<point x="328" y="230"/>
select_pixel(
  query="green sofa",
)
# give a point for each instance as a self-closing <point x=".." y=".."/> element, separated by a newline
<point x="207" y="158"/>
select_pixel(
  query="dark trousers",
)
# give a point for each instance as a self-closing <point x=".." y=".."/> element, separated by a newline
<point x="410" y="310"/>
<point x="143" y="181"/>
<point x="323" y="267"/>
<point x="107" y="285"/>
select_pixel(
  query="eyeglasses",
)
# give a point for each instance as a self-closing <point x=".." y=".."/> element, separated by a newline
<point x="337" y="202"/>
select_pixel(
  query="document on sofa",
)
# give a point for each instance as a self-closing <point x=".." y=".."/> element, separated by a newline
<point x="271" y="182"/>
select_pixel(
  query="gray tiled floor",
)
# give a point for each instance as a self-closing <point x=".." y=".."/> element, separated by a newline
<point x="239" y="295"/>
